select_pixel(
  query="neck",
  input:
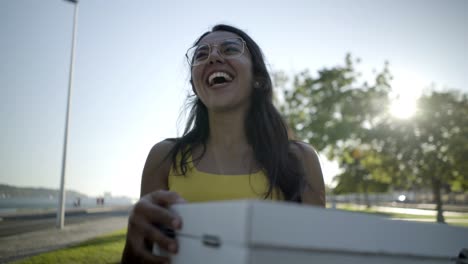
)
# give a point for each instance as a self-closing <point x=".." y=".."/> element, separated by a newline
<point x="227" y="131"/>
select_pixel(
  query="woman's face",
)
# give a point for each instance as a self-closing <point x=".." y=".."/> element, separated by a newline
<point x="232" y="89"/>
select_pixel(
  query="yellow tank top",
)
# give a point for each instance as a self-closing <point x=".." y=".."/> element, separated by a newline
<point x="198" y="186"/>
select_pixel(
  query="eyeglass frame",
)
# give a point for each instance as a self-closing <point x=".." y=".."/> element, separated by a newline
<point x="244" y="46"/>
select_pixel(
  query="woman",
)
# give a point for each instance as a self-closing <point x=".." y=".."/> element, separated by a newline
<point x="235" y="145"/>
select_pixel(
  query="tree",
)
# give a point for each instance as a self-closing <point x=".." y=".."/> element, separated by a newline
<point x="357" y="176"/>
<point x="340" y="115"/>
<point x="334" y="108"/>
<point x="432" y="147"/>
<point x="335" y="113"/>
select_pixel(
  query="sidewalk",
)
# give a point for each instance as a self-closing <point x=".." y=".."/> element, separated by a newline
<point x="429" y="206"/>
<point x="422" y="206"/>
<point x="47" y="213"/>
<point x="27" y="244"/>
<point x="402" y="210"/>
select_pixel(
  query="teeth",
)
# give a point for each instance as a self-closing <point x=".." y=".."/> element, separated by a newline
<point x="218" y="74"/>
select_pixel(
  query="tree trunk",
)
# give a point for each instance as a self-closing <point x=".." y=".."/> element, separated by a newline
<point x="438" y="199"/>
<point x="366" y="194"/>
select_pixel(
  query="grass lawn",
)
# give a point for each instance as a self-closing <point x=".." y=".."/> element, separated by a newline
<point x="105" y="249"/>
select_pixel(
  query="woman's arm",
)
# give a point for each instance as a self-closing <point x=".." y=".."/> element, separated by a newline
<point x="151" y="208"/>
<point x="314" y="193"/>
<point x="156" y="170"/>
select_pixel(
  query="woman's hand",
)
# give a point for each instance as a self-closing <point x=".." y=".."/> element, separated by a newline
<point x="148" y="213"/>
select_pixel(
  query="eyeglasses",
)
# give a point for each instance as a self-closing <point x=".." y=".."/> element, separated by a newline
<point x="228" y="49"/>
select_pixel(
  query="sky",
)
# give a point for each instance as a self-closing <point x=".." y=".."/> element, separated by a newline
<point x="131" y="78"/>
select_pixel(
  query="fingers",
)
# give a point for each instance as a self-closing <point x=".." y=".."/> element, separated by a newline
<point x="150" y="258"/>
<point x="156" y="214"/>
<point x="152" y="211"/>
<point x="145" y="255"/>
<point x="166" y="198"/>
<point x="155" y="235"/>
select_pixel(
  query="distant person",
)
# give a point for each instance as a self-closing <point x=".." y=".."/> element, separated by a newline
<point x="235" y="145"/>
<point x="77" y="202"/>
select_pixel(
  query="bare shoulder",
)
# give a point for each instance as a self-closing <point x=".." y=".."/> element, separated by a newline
<point x="157" y="167"/>
<point x="304" y="150"/>
<point x="314" y="193"/>
<point x="306" y="153"/>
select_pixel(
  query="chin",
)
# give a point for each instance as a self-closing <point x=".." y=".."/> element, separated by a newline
<point x="220" y="107"/>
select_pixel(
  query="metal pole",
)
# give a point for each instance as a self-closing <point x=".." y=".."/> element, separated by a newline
<point x="61" y="206"/>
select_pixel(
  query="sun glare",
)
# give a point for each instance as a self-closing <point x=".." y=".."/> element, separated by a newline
<point x="403" y="108"/>
<point x="407" y="87"/>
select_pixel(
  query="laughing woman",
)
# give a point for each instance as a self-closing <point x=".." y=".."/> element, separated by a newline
<point x="235" y="145"/>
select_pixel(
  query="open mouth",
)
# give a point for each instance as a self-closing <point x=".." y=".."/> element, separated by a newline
<point x="218" y="78"/>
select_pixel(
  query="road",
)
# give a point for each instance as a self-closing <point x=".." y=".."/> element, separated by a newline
<point x="20" y="225"/>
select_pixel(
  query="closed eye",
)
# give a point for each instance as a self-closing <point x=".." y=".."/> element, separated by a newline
<point x="201" y="52"/>
<point x="231" y="48"/>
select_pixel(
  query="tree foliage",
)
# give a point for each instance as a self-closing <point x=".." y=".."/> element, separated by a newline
<point x="348" y="120"/>
<point x="431" y="148"/>
<point x="335" y="113"/>
<point x="332" y="109"/>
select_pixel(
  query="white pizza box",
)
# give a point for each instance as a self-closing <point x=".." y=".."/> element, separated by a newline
<point x="253" y="231"/>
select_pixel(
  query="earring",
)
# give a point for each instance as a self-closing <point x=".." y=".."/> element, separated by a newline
<point x="256" y="85"/>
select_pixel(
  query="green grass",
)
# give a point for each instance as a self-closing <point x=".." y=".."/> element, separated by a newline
<point x="464" y="224"/>
<point x="104" y="249"/>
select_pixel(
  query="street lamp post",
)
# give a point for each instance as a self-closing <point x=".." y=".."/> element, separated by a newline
<point x="61" y="206"/>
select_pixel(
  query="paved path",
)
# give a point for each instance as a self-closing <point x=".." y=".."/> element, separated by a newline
<point x="18" y="224"/>
<point x="399" y="210"/>
<point x="27" y="244"/>
<point x="432" y="220"/>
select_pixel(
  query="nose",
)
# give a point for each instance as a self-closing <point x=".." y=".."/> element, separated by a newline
<point x="215" y="56"/>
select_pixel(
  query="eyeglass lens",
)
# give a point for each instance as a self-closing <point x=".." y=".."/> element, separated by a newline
<point x="229" y="48"/>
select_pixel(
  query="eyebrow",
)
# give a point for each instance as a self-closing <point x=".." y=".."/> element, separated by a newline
<point x="221" y="41"/>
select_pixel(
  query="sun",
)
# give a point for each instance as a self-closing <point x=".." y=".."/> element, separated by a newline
<point x="403" y="108"/>
<point x="407" y="87"/>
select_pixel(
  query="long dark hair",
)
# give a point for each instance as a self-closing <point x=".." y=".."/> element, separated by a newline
<point x="265" y="130"/>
